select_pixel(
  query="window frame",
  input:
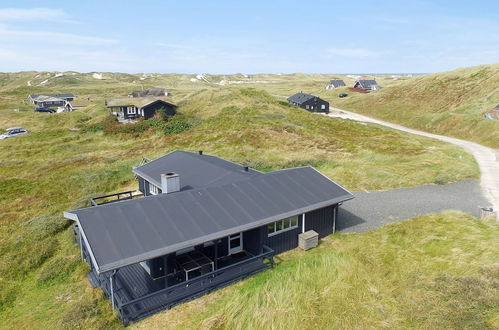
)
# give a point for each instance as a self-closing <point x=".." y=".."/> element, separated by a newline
<point x="285" y="225"/>
<point x="131" y="110"/>
<point x="153" y="190"/>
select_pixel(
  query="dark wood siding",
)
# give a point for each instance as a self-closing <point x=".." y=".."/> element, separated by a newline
<point x="317" y="104"/>
<point x="320" y="220"/>
<point x="223" y="247"/>
<point x="284" y="241"/>
<point x="252" y="240"/>
<point x="150" y="110"/>
<point x="141" y="185"/>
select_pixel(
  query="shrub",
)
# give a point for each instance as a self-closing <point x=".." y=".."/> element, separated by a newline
<point x="93" y="128"/>
<point x="176" y="125"/>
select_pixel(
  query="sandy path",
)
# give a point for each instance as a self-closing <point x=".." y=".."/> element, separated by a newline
<point x="487" y="158"/>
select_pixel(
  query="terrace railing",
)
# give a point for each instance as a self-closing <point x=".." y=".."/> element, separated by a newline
<point x="106" y="199"/>
<point x="141" y="307"/>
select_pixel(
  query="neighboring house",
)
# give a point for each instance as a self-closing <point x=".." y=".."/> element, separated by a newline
<point x="52" y="100"/>
<point x="493" y="114"/>
<point x="203" y="223"/>
<point x="335" y="83"/>
<point x="141" y="107"/>
<point x="309" y="102"/>
<point x="367" y="84"/>
<point x="159" y="92"/>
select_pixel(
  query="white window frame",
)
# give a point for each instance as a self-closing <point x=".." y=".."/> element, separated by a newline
<point x="131" y="110"/>
<point x="283" y="223"/>
<point x="239" y="237"/>
<point x="307" y="107"/>
<point x="323" y="106"/>
<point x="153" y="190"/>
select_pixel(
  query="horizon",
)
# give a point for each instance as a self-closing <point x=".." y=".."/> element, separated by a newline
<point x="221" y="38"/>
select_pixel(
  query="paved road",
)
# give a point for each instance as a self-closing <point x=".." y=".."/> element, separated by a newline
<point x="369" y="210"/>
<point x="487" y="158"/>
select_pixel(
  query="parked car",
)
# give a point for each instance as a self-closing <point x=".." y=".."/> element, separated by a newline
<point x="13" y="132"/>
<point x="343" y="95"/>
<point x="44" y="109"/>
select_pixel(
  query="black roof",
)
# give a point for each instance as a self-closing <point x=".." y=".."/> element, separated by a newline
<point x="130" y="231"/>
<point x="300" y="98"/>
<point x="155" y="91"/>
<point x="195" y="170"/>
<point x="64" y="95"/>
<point x="337" y="83"/>
<point x="367" y="83"/>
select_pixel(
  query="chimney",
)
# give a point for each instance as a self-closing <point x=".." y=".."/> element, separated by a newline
<point x="246" y="169"/>
<point x="200" y="152"/>
<point x="170" y="183"/>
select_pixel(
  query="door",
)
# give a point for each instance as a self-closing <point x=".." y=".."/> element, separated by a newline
<point x="235" y="243"/>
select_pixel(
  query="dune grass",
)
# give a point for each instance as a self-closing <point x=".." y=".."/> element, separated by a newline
<point x="433" y="272"/>
<point x="449" y="103"/>
<point x="70" y="157"/>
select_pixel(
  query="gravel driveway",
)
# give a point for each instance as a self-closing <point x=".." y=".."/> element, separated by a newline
<point x="487" y="158"/>
<point x="369" y="210"/>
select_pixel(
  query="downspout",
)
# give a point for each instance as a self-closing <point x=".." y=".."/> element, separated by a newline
<point x="81" y="245"/>
<point x="335" y="211"/>
<point x="303" y="223"/>
<point x="112" y="289"/>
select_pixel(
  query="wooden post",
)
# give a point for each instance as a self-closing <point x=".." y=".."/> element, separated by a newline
<point x="216" y="254"/>
<point x="165" y="269"/>
<point x="112" y="290"/>
<point x="81" y="244"/>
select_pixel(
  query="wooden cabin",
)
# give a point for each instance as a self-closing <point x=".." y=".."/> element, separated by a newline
<point x="335" y="83"/>
<point x="309" y="102"/>
<point x="157" y="92"/>
<point x="202" y="223"/>
<point x="367" y="84"/>
<point x="142" y="107"/>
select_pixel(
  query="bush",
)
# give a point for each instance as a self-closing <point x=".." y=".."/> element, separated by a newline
<point x="176" y="125"/>
<point x="93" y="128"/>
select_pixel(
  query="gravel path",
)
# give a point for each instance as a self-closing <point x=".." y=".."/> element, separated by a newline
<point x="487" y="158"/>
<point x="369" y="210"/>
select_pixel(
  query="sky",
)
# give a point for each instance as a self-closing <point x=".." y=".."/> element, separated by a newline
<point x="224" y="37"/>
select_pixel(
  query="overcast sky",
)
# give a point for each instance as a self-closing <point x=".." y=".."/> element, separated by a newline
<point x="248" y="36"/>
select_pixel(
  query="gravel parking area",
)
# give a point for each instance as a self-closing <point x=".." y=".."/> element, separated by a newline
<point x="370" y="210"/>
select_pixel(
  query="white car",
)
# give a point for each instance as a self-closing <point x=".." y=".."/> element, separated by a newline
<point x="13" y="132"/>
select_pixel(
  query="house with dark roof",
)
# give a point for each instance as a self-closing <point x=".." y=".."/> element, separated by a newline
<point x="142" y="107"/>
<point x="335" y="83"/>
<point x="367" y="84"/>
<point x="493" y="114"/>
<point x="309" y="102"/>
<point x="158" y="92"/>
<point x="199" y="223"/>
<point x="52" y="100"/>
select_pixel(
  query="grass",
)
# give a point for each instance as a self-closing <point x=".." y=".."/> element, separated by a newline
<point x="70" y="157"/>
<point x="433" y="272"/>
<point x="449" y="103"/>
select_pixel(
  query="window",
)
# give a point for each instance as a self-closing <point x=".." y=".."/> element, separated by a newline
<point x="153" y="189"/>
<point x="131" y="110"/>
<point x="307" y="107"/>
<point x="323" y="106"/>
<point x="282" y="225"/>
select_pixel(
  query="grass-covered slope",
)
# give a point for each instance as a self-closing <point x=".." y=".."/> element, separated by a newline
<point x="70" y="157"/>
<point x="450" y="103"/>
<point x="433" y="272"/>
